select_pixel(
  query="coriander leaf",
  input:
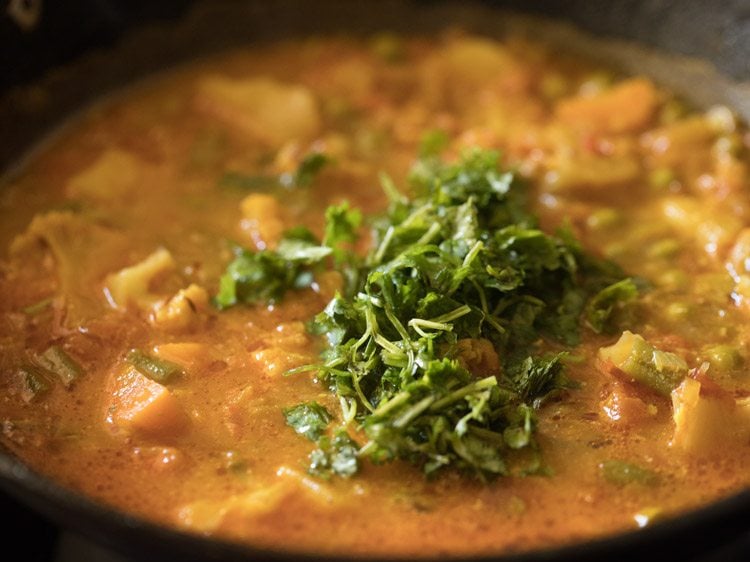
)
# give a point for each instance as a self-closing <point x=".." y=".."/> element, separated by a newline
<point x="601" y="307"/>
<point x="538" y="376"/>
<point x="309" y="168"/>
<point x="335" y="456"/>
<point x="433" y="143"/>
<point x="462" y="261"/>
<point x="308" y="419"/>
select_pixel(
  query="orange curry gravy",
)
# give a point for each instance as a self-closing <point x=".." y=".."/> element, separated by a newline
<point x="116" y="235"/>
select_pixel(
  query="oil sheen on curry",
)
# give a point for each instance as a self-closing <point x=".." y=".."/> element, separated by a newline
<point x="384" y="296"/>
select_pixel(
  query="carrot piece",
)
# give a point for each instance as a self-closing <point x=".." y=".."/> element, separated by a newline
<point x="142" y="405"/>
<point x="628" y="106"/>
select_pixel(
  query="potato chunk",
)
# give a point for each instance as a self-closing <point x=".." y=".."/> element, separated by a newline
<point x="628" y="106"/>
<point x="262" y="219"/>
<point x="113" y="175"/>
<point x="141" y="405"/>
<point x="706" y="420"/>
<point x="183" y="311"/>
<point x="266" y="110"/>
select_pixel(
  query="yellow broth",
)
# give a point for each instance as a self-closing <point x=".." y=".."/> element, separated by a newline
<point x="642" y="180"/>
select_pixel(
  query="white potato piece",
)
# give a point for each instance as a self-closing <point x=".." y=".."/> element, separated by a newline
<point x="707" y="421"/>
<point x="266" y="110"/>
<point x="112" y="176"/>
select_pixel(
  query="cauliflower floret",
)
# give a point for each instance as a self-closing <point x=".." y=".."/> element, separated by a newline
<point x="183" y="311"/>
<point x="83" y="252"/>
<point x="132" y="285"/>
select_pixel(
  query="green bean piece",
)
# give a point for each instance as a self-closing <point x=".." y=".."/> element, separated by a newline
<point x="158" y="370"/>
<point x="621" y="473"/>
<point x="665" y="248"/>
<point x="34" y="380"/>
<point x="603" y="218"/>
<point x="659" y="370"/>
<point x="659" y="179"/>
<point x="37" y="307"/>
<point x="55" y="360"/>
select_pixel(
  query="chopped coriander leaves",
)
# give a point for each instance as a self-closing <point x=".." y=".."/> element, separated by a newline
<point x="460" y="268"/>
<point x="308" y="419"/>
<point x="309" y="168"/>
<point x="337" y="455"/>
<point x="305" y="174"/>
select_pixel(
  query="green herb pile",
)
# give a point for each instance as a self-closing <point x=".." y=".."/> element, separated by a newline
<point x="451" y="332"/>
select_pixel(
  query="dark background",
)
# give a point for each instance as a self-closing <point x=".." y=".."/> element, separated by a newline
<point x="718" y="29"/>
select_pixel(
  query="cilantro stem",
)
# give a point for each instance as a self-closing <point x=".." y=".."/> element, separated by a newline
<point x="385" y="407"/>
<point x="428" y="236"/>
<point x="360" y="394"/>
<point x="470" y="388"/>
<point x="390" y="189"/>
<point x="418" y="323"/>
<point x="473" y="253"/>
<point x="405" y="418"/>
<point x="383" y="248"/>
<point x="452" y="315"/>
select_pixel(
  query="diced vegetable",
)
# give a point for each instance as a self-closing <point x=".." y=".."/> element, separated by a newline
<point x="270" y="111"/>
<point x="54" y="359"/>
<point x="115" y="174"/>
<point x="34" y="381"/>
<point x="627" y="106"/>
<point x="183" y="311"/>
<point x="132" y="285"/>
<point x="38" y="307"/>
<point x="143" y="405"/>
<point x="641" y="362"/>
<point x="706" y="420"/>
<point x="262" y="219"/>
<point x="725" y="357"/>
<point x="621" y="473"/>
<point x="193" y="355"/>
<point x="159" y="370"/>
<point x="83" y="252"/>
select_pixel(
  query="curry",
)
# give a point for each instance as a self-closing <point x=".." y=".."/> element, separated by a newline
<point x="385" y="296"/>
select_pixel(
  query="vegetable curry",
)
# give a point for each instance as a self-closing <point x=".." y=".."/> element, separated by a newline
<point x="384" y="296"/>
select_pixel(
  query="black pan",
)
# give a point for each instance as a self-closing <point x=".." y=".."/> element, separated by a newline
<point x="79" y="50"/>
